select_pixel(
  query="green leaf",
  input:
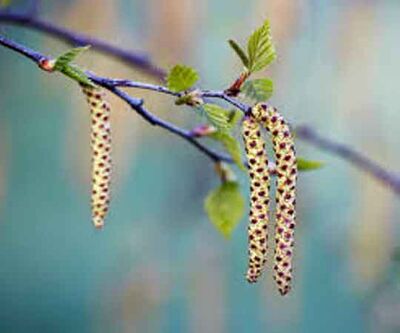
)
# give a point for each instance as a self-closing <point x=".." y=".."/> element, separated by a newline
<point x="261" y="51"/>
<point x="218" y="116"/>
<point x="63" y="65"/>
<point x="225" y="207"/>
<point x="240" y="52"/>
<point x="258" y="90"/>
<point x="231" y="145"/>
<point x="76" y="74"/>
<point x="67" y="57"/>
<point x="181" y="78"/>
<point x="308" y="165"/>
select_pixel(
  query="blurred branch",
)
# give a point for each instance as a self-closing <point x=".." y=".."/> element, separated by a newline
<point x="27" y="52"/>
<point x="349" y="154"/>
<point x="29" y="20"/>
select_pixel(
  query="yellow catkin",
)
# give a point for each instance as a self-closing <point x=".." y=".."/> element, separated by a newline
<point x="259" y="179"/>
<point x="286" y="171"/>
<point x="101" y="153"/>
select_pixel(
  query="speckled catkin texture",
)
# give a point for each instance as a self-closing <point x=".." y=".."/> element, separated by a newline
<point x="101" y="153"/>
<point x="286" y="169"/>
<point x="259" y="176"/>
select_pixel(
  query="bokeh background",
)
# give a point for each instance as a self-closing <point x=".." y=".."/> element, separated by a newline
<point x="159" y="265"/>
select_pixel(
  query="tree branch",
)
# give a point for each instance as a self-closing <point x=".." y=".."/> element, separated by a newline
<point x="135" y="103"/>
<point x="349" y="154"/>
<point x="135" y="59"/>
<point x="27" y="52"/>
<point x="161" y="89"/>
<point x="390" y="179"/>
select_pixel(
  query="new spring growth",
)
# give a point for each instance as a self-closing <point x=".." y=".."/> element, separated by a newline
<point x="101" y="153"/>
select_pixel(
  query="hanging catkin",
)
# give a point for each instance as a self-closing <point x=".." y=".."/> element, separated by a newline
<point x="259" y="179"/>
<point x="286" y="170"/>
<point x="101" y="153"/>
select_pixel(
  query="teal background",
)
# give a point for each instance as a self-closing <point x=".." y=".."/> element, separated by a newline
<point x="159" y="265"/>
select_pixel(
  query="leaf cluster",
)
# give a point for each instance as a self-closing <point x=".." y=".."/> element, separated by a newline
<point x="225" y="204"/>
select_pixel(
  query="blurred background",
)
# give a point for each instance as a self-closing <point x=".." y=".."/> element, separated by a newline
<point x="159" y="265"/>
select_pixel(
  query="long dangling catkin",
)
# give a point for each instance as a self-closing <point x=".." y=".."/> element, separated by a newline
<point x="101" y="153"/>
<point x="286" y="169"/>
<point x="259" y="179"/>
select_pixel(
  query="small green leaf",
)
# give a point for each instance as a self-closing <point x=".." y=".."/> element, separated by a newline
<point x="225" y="207"/>
<point x="76" y="74"/>
<point x="69" y="56"/>
<point x="308" y="165"/>
<point x="240" y="52"/>
<point x="231" y="145"/>
<point x="258" y="90"/>
<point x="63" y="65"/>
<point x="181" y="78"/>
<point x="218" y="116"/>
<point x="261" y="51"/>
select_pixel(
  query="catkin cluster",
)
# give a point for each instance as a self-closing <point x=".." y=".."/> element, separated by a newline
<point x="286" y="174"/>
<point x="101" y="153"/>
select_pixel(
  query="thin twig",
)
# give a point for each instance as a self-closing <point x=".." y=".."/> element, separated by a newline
<point x="161" y="89"/>
<point x="136" y="59"/>
<point x="27" y="52"/>
<point x="349" y="154"/>
<point x="135" y="103"/>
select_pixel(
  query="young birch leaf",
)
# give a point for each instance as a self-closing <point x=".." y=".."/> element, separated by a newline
<point x="76" y="74"/>
<point x="260" y="49"/>
<point x="225" y="207"/>
<point x="308" y="165"/>
<point x="181" y="78"/>
<point x="69" y="56"/>
<point x="218" y="116"/>
<point x="63" y="65"/>
<point x="240" y="52"/>
<point x="258" y="90"/>
<point x="231" y="145"/>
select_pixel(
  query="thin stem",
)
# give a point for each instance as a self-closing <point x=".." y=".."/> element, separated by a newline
<point x="161" y="89"/>
<point x="349" y="154"/>
<point x="133" y="84"/>
<point x="27" y="52"/>
<point x="135" y="103"/>
<point x="136" y="59"/>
